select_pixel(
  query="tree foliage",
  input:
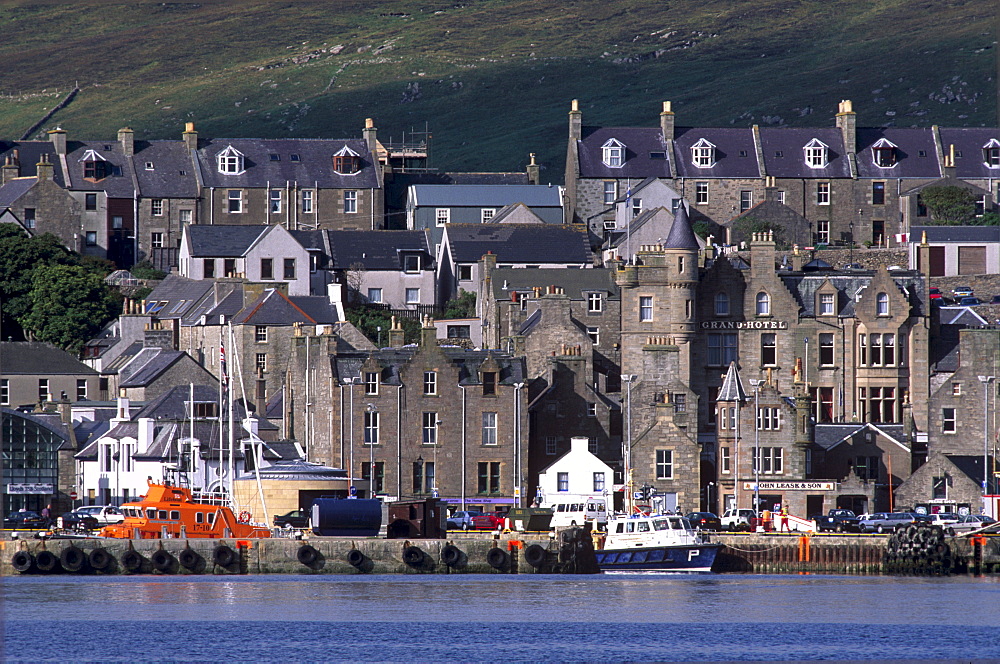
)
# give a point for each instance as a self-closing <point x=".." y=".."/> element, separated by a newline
<point x="368" y="319"/>
<point x="950" y="205"/>
<point x="463" y="306"/>
<point x="747" y="226"/>
<point x="69" y="304"/>
<point x="145" y="270"/>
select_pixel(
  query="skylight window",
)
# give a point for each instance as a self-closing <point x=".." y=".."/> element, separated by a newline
<point x="274" y="157"/>
<point x="293" y="157"/>
<point x="149" y="166"/>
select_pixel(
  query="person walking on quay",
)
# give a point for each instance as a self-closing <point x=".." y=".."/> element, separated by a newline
<point x="47" y="514"/>
<point x="784" y="519"/>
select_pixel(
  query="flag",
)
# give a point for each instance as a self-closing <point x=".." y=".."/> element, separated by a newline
<point x="222" y="363"/>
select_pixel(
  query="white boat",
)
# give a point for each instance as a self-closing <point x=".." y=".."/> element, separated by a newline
<point x="654" y="543"/>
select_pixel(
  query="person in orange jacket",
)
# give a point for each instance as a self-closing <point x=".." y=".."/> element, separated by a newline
<point x="784" y="519"/>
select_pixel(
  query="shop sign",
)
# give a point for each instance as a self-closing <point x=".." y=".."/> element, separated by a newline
<point x="791" y="486"/>
<point x="33" y="488"/>
<point x="744" y="325"/>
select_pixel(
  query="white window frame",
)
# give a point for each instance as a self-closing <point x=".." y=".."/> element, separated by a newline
<point x="595" y="303"/>
<point x="412" y="296"/>
<point x="260" y="362"/>
<point x="430" y="383"/>
<point x="822" y="193"/>
<point x="768" y="418"/>
<point x="703" y="154"/>
<point x="823" y="231"/>
<point x="827" y="304"/>
<point x="882" y="304"/>
<point x="485" y="214"/>
<point x="664" y="464"/>
<point x="645" y="308"/>
<point x="701" y="193"/>
<point x="610" y="191"/>
<point x="442" y="216"/>
<point x="350" y="201"/>
<point x="949" y="420"/>
<point x="725" y="461"/>
<point x="156" y="240"/>
<point x="763" y="304"/>
<point x="746" y="199"/>
<point x="816" y="153"/>
<point x="371" y="383"/>
<point x="186" y="216"/>
<point x="307" y="201"/>
<point x="274" y="204"/>
<point x="234" y="201"/>
<point x="429" y="428"/>
<point x="371" y="428"/>
<point x="411" y="264"/>
<point x="490" y="433"/>
<point x="230" y="161"/>
<point x="613" y="153"/>
<point x="595" y="335"/>
<point x="991" y="154"/>
<point x="260" y="334"/>
<point x="375" y="295"/>
<point x="156" y="207"/>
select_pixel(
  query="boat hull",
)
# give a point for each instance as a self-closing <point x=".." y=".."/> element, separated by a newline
<point x="689" y="558"/>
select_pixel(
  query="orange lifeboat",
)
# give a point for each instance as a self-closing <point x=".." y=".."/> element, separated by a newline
<point x="170" y="509"/>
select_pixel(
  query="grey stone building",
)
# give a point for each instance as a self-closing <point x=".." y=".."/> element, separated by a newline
<point x="34" y="372"/>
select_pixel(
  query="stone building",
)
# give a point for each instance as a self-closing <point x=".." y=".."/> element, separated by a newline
<point x="418" y="420"/>
<point x="946" y="483"/>
<point x="35" y="372"/>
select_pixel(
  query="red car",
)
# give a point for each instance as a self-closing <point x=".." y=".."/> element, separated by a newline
<point x="490" y="521"/>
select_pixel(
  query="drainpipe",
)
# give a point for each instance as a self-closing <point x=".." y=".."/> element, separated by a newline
<point x="463" y="446"/>
<point x="399" y="441"/>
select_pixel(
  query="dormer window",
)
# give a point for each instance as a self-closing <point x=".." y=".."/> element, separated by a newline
<point x="346" y="161"/>
<point x="817" y="153"/>
<point x="613" y="153"/>
<point x="884" y="153"/>
<point x="703" y="154"/>
<point x="95" y="167"/>
<point x="991" y="153"/>
<point x="230" y="161"/>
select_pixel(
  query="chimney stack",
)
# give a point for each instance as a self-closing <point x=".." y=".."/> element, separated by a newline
<point x="533" y="171"/>
<point x="667" y="122"/>
<point x="44" y="168"/>
<point x="11" y="170"/>
<point x="847" y="122"/>
<point x="190" y="136"/>
<point x="127" y="138"/>
<point x="575" y="121"/>
<point x="58" y="138"/>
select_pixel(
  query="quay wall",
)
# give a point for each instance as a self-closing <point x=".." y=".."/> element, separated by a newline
<point x="465" y="553"/>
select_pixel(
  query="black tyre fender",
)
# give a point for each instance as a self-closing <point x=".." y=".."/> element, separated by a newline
<point x="497" y="558"/>
<point x="162" y="560"/>
<point x="223" y="556"/>
<point x="951" y="532"/>
<point x="72" y="558"/>
<point x="132" y="561"/>
<point x="188" y="558"/>
<point x="356" y="558"/>
<point x="937" y="532"/>
<point x="413" y="556"/>
<point x="22" y="561"/>
<point x="307" y="554"/>
<point x="46" y="561"/>
<point x="534" y="555"/>
<point x="451" y="555"/>
<point x="99" y="558"/>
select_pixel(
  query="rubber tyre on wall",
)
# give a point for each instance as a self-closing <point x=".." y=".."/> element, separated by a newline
<point x="46" y="561"/>
<point x="162" y="560"/>
<point x="99" y="559"/>
<point x="188" y="558"/>
<point x="497" y="558"/>
<point x="132" y="561"/>
<point x="223" y="556"/>
<point x="72" y="559"/>
<point x="22" y="561"/>
<point x="356" y="558"/>
<point x="413" y="556"/>
<point x="534" y="555"/>
<point x="306" y="554"/>
<point x="451" y="555"/>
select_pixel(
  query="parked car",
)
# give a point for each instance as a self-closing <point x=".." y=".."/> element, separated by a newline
<point x="488" y="521"/>
<point x="293" y="519"/>
<point x="943" y="518"/>
<point x="935" y="294"/>
<point x="462" y="519"/>
<point x="704" y="521"/>
<point x="995" y="299"/>
<point x="962" y="291"/>
<point x="77" y="520"/>
<point x="837" y="520"/>
<point x="25" y="521"/>
<point x="968" y="523"/>
<point x="969" y="302"/>
<point x="737" y="519"/>
<point x="884" y="522"/>
<point x="105" y="514"/>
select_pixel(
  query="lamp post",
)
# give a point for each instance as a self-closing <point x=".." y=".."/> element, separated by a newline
<point x="627" y="447"/>
<point x="756" y="383"/>
<point x="437" y="438"/>
<point x="372" y="439"/>
<point x="420" y="471"/>
<point x="986" y="381"/>
<point x="350" y="473"/>
<point x="518" y="489"/>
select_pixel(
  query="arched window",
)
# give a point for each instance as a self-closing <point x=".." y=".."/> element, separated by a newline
<point x="763" y="304"/>
<point x="721" y="304"/>
<point x="882" y="304"/>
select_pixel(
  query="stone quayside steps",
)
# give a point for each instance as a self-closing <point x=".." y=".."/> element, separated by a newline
<point x="473" y="553"/>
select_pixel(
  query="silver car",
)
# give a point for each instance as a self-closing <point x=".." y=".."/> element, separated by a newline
<point x="885" y="522"/>
<point x="969" y="523"/>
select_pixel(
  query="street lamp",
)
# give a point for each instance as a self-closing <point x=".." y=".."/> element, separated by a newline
<point x="627" y="447"/>
<point x="350" y="473"/>
<point x="372" y="439"/>
<point x="518" y="489"/>
<point x="756" y="383"/>
<point x="437" y="439"/>
<point x="986" y="381"/>
<point x="420" y="471"/>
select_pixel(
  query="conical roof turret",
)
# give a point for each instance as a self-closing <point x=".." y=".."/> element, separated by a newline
<point x="681" y="236"/>
<point x="732" y="387"/>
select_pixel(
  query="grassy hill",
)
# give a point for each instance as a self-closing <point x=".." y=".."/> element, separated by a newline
<point x="492" y="79"/>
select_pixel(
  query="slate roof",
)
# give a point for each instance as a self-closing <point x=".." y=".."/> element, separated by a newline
<point x="29" y="154"/>
<point x="681" y="236"/>
<point x="955" y="233"/>
<point x="512" y="369"/>
<point x="803" y="285"/>
<point x="789" y="143"/>
<point x="735" y="152"/>
<point x="517" y="243"/>
<point x="147" y="366"/>
<point x="639" y="143"/>
<point x="971" y="466"/>
<point x="118" y="184"/>
<point x="575" y="283"/>
<point x="51" y="422"/>
<point x="275" y="308"/>
<point x="911" y="144"/>
<point x="829" y="436"/>
<point x="230" y="305"/>
<point x="223" y="240"/>
<point x="11" y="191"/>
<point x="173" y="173"/>
<point x="515" y="213"/>
<point x="35" y="358"/>
<point x="295" y="470"/>
<point x="969" y="142"/>
<point x="377" y="250"/>
<point x="732" y="389"/>
<point x="397" y="188"/>
<point x="314" y="167"/>
<point x="175" y="290"/>
<point x="484" y="195"/>
<point x="947" y="181"/>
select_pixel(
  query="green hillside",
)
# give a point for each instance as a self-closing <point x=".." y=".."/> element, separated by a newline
<point x="492" y="79"/>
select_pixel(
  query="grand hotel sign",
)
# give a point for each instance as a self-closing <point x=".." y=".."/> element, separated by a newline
<point x="744" y="325"/>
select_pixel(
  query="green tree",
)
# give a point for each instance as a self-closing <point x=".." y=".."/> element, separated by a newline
<point x="747" y="226"/>
<point x="69" y="305"/>
<point x="463" y="306"/>
<point x="950" y="206"/>
<point x="368" y="319"/>
<point x="19" y="256"/>
<point x="145" y="270"/>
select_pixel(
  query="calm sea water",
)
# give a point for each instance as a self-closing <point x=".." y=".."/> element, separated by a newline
<point x="499" y="618"/>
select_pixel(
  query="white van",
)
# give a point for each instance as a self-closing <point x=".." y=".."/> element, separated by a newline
<point x="578" y="510"/>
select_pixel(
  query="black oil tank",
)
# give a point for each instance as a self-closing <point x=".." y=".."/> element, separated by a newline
<point x="346" y="517"/>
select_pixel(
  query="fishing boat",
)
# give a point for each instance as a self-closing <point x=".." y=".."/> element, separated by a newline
<point x="654" y="543"/>
<point x="173" y="511"/>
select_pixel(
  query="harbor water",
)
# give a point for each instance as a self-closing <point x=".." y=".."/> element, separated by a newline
<point x="499" y="618"/>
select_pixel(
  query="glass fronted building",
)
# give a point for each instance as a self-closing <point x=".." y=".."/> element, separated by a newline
<point x="31" y="445"/>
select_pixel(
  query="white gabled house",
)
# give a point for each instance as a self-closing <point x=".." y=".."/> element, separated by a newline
<point x="577" y="473"/>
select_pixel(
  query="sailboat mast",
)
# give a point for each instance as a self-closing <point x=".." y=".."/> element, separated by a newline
<point x="232" y="433"/>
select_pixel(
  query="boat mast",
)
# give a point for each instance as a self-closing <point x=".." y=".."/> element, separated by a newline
<point x="256" y="447"/>
<point x="232" y="433"/>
